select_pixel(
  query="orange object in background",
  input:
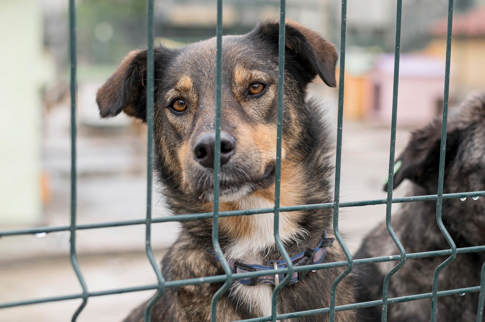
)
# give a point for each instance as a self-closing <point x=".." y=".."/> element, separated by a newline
<point x="468" y="46"/>
<point x="45" y="191"/>
<point x="357" y="96"/>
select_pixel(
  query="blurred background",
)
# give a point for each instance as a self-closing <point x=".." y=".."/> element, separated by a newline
<point x="35" y="133"/>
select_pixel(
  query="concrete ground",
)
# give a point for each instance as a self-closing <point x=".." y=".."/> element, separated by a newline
<point x="111" y="187"/>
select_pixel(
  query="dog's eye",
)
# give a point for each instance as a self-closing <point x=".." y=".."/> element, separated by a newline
<point x="256" y="89"/>
<point x="178" y="105"/>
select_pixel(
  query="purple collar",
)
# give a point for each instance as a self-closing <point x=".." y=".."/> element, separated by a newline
<point x="310" y="256"/>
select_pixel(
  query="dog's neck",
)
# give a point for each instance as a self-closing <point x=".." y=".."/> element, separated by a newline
<point x="254" y="235"/>
<point x="250" y="238"/>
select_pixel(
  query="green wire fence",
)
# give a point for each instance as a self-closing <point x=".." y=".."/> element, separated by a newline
<point x="229" y="277"/>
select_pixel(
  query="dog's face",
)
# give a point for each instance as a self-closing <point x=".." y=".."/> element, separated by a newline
<point x="464" y="171"/>
<point x="185" y="101"/>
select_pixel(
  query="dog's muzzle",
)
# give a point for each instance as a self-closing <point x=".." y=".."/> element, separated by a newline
<point x="234" y="183"/>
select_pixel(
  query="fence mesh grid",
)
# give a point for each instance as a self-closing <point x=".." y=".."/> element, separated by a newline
<point x="229" y="277"/>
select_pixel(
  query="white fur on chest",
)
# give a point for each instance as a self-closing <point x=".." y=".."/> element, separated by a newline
<point x="248" y="249"/>
<point x="257" y="297"/>
<point x="262" y="232"/>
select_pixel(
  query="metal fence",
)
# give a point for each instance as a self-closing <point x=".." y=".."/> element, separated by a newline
<point x="229" y="277"/>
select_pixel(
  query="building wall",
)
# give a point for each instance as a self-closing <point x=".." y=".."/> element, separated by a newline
<point x="417" y="101"/>
<point x="467" y="62"/>
<point x="22" y="69"/>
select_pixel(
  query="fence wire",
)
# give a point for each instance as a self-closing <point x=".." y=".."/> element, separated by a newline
<point x="229" y="277"/>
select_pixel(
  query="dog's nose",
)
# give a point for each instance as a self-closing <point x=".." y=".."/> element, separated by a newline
<point x="204" y="149"/>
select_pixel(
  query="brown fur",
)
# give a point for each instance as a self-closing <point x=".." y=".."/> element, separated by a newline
<point x="109" y="91"/>
<point x="247" y="179"/>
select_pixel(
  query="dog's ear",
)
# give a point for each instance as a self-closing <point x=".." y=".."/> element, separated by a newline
<point x="125" y="90"/>
<point x="307" y="54"/>
<point x="419" y="162"/>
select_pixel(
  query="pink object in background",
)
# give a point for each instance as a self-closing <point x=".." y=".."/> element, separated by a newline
<point x="421" y="80"/>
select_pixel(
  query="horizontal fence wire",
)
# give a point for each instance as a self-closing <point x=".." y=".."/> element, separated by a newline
<point x="229" y="277"/>
<point x="231" y="213"/>
<point x="353" y="306"/>
<point x="221" y="278"/>
<point x="368" y="304"/>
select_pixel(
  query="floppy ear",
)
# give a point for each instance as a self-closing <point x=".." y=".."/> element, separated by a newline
<point x="307" y="54"/>
<point x="419" y="162"/>
<point x="125" y="89"/>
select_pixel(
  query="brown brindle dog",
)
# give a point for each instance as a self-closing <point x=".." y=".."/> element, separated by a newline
<point x="185" y="82"/>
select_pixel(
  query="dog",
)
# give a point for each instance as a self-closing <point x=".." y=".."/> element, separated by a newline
<point x="415" y="223"/>
<point x="184" y="136"/>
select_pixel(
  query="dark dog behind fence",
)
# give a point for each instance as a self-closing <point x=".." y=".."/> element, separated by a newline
<point x="336" y="204"/>
<point x="415" y="224"/>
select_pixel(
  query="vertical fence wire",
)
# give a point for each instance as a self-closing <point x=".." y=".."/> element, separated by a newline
<point x="217" y="166"/>
<point x="279" y="128"/>
<point x="149" y="118"/>
<point x="390" y="182"/>
<point x="441" y="174"/>
<point x="338" y="157"/>
<point x="73" y="90"/>
<point x="481" y="298"/>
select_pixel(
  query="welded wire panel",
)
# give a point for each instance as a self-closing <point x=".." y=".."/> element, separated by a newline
<point x="231" y="213"/>
<point x="228" y="277"/>
<point x="149" y="119"/>
<point x="73" y="90"/>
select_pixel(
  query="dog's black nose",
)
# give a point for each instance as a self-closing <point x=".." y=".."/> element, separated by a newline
<point x="204" y="149"/>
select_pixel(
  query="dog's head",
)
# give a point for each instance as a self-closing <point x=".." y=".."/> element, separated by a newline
<point x="185" y="101"/>
<point x="464" y="169"/>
